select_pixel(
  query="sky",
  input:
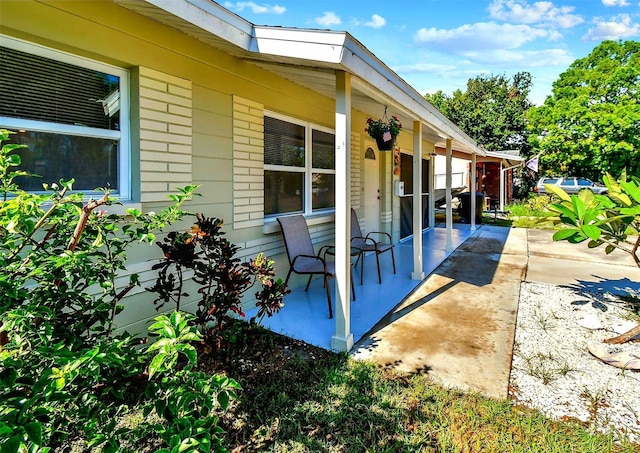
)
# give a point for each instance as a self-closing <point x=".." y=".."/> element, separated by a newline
<point x="441" y="44"/>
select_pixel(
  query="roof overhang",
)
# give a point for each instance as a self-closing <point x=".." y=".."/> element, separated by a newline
<point x="509" y="159"/>
<point x="309" y="57"/>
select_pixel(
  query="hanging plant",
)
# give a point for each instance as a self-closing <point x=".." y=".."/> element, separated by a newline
<point x="384" y="131"/>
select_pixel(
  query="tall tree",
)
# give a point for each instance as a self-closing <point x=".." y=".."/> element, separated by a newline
<point x="590" y="125"/>
<point x="492" y="110"/>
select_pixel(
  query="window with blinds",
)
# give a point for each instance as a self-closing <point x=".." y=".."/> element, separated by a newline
<point x="299" y="167"/>
<point x="72" y="114"/>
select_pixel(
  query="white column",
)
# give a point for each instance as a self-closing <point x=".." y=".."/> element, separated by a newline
<point x="449" y="223"/>
<point x="472" y="191"/>
<point x="502" y="187"/>
<point x="432" y="190"/>
<point x="418" y="273"/>
<point x="342" y="340"/>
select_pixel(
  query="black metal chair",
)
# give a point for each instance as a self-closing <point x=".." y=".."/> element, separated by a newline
<point x="368" y="244"/>
<point x="302" y="258"/>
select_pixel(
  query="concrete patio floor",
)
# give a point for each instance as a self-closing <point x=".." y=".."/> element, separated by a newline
<point x="305" y="315"/>
<point x="458" y="326"/>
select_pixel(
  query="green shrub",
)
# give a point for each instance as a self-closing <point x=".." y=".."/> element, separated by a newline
<point x="64" y="374"/>
<point x="221" y="277"/>
<point x="534" y="206"/>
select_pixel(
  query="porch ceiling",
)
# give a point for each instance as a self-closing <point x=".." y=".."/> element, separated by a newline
<point x="363" y="97"/>
<point x="309" y="58"/>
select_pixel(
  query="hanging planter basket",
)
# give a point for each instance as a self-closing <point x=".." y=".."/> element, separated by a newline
<point x="384" y="131"/>
<point x="385" y="146"/>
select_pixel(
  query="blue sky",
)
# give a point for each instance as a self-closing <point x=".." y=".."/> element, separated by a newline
<point x="440" y="44"/>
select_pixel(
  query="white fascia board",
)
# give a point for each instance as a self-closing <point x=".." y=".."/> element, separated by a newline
<point x="505" y="156"/>
<point x="316" y="45"/>
<point x="211" y="17"/>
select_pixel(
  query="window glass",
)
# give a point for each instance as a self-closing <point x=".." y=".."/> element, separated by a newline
<point x="324" y="145"/>
<point x="92" y="162"/>
<point x="38" y="88"/>
<point x="584" y="182"/>
<point x="322" y="191"/>
<point x="283" y="143"/>
<point x="283" y="192"/>
<point x="72" y="113"/>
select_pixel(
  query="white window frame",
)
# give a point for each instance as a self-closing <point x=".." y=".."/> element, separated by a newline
<point x="308" y="170"/>
<point x="122" y="135"/>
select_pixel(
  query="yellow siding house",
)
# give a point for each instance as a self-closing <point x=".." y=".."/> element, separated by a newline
<point x="146" y="96"/>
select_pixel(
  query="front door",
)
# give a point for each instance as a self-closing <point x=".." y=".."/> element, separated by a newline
<point x="371" y="189"/>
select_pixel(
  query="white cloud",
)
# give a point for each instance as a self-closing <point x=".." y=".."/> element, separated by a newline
<point x="617" y="28"/>
<point x="522" y="59"/>
<point x="520" y="11"/>
<point x="255" y="8"/>
<point x="615" y="2"/>
<point x="376" y="22"/>
<point x="429" y="68"/>
<point x="482" y="36"/>
<point x="328" y="19"/>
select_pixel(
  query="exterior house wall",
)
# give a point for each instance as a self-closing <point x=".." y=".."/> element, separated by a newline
<point x="196" y="117"/>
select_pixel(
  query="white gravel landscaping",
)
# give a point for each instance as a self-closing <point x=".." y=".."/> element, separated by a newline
<point x="552" y="369"/>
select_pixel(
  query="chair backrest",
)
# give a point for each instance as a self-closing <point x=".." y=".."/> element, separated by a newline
<point x="297" y="239"/>
<point x="356" y="232"/>
<point x="355" y="225"/>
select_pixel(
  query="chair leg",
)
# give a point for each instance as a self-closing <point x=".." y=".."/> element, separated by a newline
<point x="286" y="281"/>
<point x="393" y="260"/>
<point x="378" y="263"/>
<point x="326" y="285"/>
<point x="353" y="289"/>
<point x="309" y="282"/>
<point x="361" y="255"/>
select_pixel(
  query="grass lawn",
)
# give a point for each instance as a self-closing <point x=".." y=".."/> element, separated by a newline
<point x="523" y="214"/>
<point x="298" y="398"/>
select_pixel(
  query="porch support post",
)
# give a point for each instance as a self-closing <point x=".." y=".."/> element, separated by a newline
<point x="472" y="190"/>
<point x="418" y="273"/>
<point x="342" y="340"/>
<point x="502" y="187"/>
<point x="432" y="190"/>
<point x="449" y="222"/>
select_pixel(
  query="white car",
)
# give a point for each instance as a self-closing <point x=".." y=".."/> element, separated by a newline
<point x="571" y="184"/>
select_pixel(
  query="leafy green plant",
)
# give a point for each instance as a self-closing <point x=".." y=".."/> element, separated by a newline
<point x="222" y="278"/>
<point x="64" y="373"/>
<point x="377" y="128"/>
<point x="612" y="220"/>
<point x="187" y="400"/>
<point x="534" y="206"/>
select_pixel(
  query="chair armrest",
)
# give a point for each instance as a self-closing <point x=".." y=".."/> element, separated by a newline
<point x="364" y="239"/>
<point x="324" y="263"/>
<point x="380" y="233"/>
<point x="322" y="249"/>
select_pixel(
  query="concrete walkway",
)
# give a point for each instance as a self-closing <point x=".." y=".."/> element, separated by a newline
<point x="458" y="326"/>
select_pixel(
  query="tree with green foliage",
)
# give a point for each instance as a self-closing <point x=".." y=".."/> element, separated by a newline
<point x="492" y="110"/>
<point x="612" y="220"/>
<point x="590" y="125"/>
